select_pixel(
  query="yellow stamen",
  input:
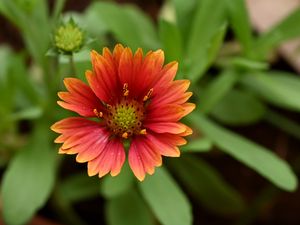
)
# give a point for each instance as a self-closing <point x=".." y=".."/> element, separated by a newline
<point x="144" y="131"/>
<point x="146" y="97"/>
<point x="125" y="135"/>
<point x="125" y="89"/>
<point x="98" y="114"/>
<point x="108" y="106"/>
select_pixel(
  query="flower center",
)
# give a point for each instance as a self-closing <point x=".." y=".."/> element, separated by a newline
<point x="125" y="118"/>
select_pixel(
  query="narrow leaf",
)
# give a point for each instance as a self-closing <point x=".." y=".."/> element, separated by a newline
<point x="29" y="179"/>
<point x="251" y="154"/>
<point x="202" y="34"/>
<point x="217" y="89"/>
<point x="79" y="187"/>
<point x="207" y="186"/>
<point x="128" y="209"/>
<point x="239" y="21"/>
<point x="127" y="23"/>
<point x="202" y="144"/>
<point x="166" y="200"/>
<point x="114" y="186"/>
<point x="239" y="108"/>
<point x="171" y="40"/>
<point x="278" y="88"/>
<point x="286" y="29"/>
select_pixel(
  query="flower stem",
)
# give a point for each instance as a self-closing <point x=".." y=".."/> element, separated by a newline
<point x="72" y="65"/>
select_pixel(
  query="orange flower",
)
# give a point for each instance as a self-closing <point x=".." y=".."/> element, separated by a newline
<point x="135" y="98"/>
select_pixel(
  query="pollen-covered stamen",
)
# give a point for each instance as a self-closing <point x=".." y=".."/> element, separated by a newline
<point x="125" y="90"/>
<point x="143" y="131"/>
<point x="98" y="114"/>
<point x="125" y="118"/>
<point x="148" y="95"/>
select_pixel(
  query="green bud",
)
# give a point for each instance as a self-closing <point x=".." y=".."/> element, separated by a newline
<point x="68" y="38"/>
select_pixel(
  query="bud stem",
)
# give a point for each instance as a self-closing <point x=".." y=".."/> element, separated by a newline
<point x="72" y="65"/>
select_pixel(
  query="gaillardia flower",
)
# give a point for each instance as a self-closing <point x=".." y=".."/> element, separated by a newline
<point x="135" y="99"/>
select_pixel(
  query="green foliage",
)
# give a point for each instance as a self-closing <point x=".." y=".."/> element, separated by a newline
<point x="170" y="38"/>
<point x="29" y="179"/>
<point x="217" y="89"/>
<point x="278" y="88"/>
<point x="128" y="209"/>
<point x="127" y="23"/>
<point x="202" y="144"/>
<point x="253" y="155"/>
<point x="166" y="200"/>
<point x="239" y="108"/>
<point x="286" y="29"/>
<point x="115" y="186"/>
<point x="204" y="36"/>
<point x="239" y="21"/>
<point x="78" y="187"/>
<point x="207" y="186"/>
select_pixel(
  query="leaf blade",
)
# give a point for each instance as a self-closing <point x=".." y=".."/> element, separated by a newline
<point x="254" y="156"/>
<point x="166" y="200"/>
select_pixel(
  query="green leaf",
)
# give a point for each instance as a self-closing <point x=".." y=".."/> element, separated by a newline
<point x="286" y="29"/>
<point x="239" y="21"/>
<point x="217" y="89"/>
<point x="6" y="85"/>
<point x="166" y="200"/>
<point x="239" y="108"/>
<point x="33" y="23"/>
<point x="202" y="35"/>
<point x="29" y="179"/>
<point x="129" y="25"/>
<point x="202" y="144"/>
<point x="28" y="113"/>
<point x="207" y="186"/>
<point x="278" y="88"/>
<point x="251" y="154"/>
<point x="171" y="40"/>
<point x="79" y="187"/>
<point x="128" y="209"/>
<point x="248" y="64"/>
<point x="184" y="14"/>
<point x="285" y="124"/>
<point x="114" y="186"/>
<point x="215" y="45"/>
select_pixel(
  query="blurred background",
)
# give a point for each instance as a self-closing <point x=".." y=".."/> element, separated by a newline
<point x="242" y="162"/>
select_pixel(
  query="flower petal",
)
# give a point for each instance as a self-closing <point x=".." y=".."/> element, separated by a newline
<point x="110" y="160"/>
<point x="166" y="143"/>
<point x="80" y="98"/>
<point x="166" y="75"/>
<point x="143" y="157"/>
<point x="166" y="127"/>
<point x="82" y="136"/>
<point x="117" y="53"/>
<point x="104" y="80"/>
<point x="173" y="93"/>
<point x="164" y="113"/>
<point x="188" y="108"/>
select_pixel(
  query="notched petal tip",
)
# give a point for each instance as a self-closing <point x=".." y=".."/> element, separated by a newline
<point x="102" y="173"/>
<point x="54" y="127"/>
<point x="106" y="51"/>
<point x="140" y="178"/>
<point x="115" y="173"/>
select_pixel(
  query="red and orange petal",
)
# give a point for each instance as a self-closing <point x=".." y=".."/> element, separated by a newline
<point x="146" y="78"/>
<point x="79" y="98"/>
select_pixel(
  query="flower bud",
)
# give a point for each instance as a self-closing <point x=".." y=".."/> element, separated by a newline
<point x="68" y="38"/>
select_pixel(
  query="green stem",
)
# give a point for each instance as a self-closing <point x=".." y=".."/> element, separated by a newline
<point x="72" y="65"/>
